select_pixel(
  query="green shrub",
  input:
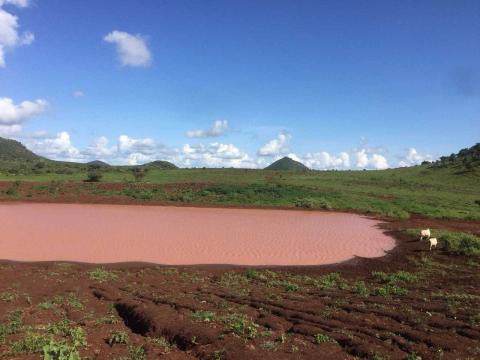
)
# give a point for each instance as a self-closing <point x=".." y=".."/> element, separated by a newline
<point x="118" y="337"/>
<point x="361" y="288"/>
<point x="94" y="175"/>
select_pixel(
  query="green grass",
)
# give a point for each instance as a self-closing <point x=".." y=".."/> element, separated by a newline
<point x="102" y="275"/>
<point x="430" y="191"/>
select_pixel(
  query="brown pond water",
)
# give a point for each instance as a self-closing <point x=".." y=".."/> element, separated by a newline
<point x="185" y="235"/>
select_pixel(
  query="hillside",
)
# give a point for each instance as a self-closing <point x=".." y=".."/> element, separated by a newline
<point x="287" y="164"/>
<point x="12" y="150"/>
<point x="98" y="163"/>
<point x="467" y="159"/>
<point x="159" y="164"/>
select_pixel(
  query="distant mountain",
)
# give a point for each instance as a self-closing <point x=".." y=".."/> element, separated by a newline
<point x="98" y="163"/>
<point x="468" y="159"/>
<point x="287" y="164"/>
<point x="159" y="164"/>
<point x="12" y="150"/>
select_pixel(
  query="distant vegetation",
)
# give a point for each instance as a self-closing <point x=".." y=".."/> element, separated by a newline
<point x="465" y="160"/>
<point x="439" y="190"/>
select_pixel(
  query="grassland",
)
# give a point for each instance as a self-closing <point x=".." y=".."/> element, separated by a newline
<point x="424" y="190"/>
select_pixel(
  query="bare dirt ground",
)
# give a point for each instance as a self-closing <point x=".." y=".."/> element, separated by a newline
<point x="422" y="305"/>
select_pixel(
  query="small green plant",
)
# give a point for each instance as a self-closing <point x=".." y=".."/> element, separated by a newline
<point x="73" y="301"/>
<point x="389" y="289"/>
<point x="31" y="343"/>
<point x="60" y="350"/>
<point x="118" y="337"/>
<point x="102" y="275"/>
<point x="393" y="278"/>
<point x="361" y="289"/>
<point x="13" y="325"/>
<point x="202" y="315"/>
<point x="322" y="338"/>
<point x="161" y="342"/>
<point x="8" y="296"/>
<point x="269" y="345"/>
<point x="136" y="353"/>
<point x="240" y="325"/>
<point x="329" y="281"/>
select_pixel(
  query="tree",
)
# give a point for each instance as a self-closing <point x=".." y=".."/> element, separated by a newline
<point x="94" y="174"/>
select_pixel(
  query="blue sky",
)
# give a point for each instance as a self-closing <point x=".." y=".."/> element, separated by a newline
<point x="336" y="84"/>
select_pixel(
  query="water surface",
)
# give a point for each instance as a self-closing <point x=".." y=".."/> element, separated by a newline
<point x="185" y="235"/>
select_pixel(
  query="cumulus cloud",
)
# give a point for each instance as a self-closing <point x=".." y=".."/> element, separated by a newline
<point x="366" y="160"/>
<point x="58" y="147"/>
<point x="78" y="94"/>
<point x="324" y="160"/>
<point x="412" y="157"/>
<point x="12" y="115"/>
<point x="132" y="50"/>
<point x="218" y="128"/>
<point x="277" y="146"/>
<point x="215" y="155"/>
<point x="10" y="37"/>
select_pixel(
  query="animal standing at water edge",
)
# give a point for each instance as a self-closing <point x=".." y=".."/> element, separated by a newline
<point x="425" y="234"/>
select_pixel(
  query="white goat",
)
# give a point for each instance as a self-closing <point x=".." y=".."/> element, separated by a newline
<point x="425" y="234"/>
<point x="433" y="243"/>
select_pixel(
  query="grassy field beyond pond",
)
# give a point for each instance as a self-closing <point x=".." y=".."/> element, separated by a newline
<point x="429" y="191"/>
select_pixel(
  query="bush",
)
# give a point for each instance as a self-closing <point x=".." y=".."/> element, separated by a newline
<point x="461" y="244"/>
<point x="94" y="175"/>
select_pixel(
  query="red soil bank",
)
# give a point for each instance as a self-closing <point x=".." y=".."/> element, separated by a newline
<point x="184" y="235"/>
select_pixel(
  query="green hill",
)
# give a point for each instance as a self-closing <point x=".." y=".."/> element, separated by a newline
<point x="467" y="159"/>
<point x="98" y="163"/>
<point x="12" y="150"/>
<point x="287" y="164"/>
<point x="159" y="164"/>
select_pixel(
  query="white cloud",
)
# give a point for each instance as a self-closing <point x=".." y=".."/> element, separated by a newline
<point x="10" y="38"/>
<point x="130" y="145"/>
<point x="58" y="147"/>
<point x="78" y="94"/>
<point x="100" y="149"/>
<point x="218" y="128"/>
<point x="214" y="155"/>
<point x="323" y="160"/>
<point x="10" y="130"/>
<point x="412" y="157"/>
<point x="370" y="161"/>
<point x="12" y="115"/>
<point x="19" y="3"/>
<point x="277" y="146"/>
<point x="132" y="50"/>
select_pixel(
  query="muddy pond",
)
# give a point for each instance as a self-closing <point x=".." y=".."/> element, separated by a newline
<point x="185" y="235"/>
